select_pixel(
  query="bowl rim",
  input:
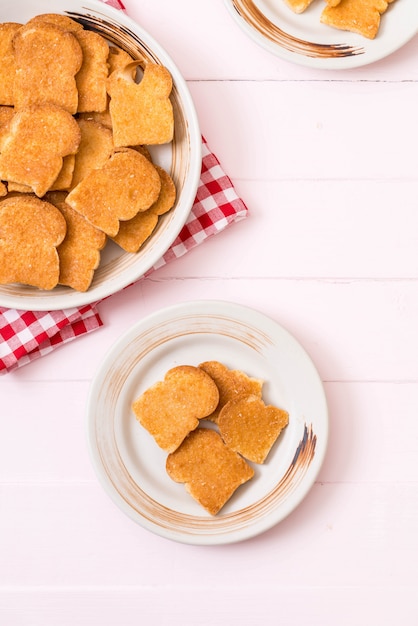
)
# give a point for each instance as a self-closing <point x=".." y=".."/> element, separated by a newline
<point x="22" y="297"/>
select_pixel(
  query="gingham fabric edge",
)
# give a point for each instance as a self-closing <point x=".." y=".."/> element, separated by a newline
<point x="30" y="335"/>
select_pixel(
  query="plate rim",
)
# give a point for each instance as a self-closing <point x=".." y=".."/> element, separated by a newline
<point x="344" y="62"/>
<point x="70" y="298"/>
<point x="204" y="307"/>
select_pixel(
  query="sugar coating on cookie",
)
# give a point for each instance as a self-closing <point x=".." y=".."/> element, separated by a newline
<point x="30" y="231"/>
<point x="172" y="407"/>
<point x="8" y="62"/>
<point x="79" y="252"/>
<point x="142" y="112"/>
<point x="211" y="471"/>
<point x="126" y="184"/>
<point x="92" y="76"/>
<point x="249" y="426"/>
<point x="94" y="150"/>
<point x="231" y="384"/>
<point x="358" y="16"/>
<point x="47" y="60"/>
<point x="298" y="6"/>
<point x="133" y="233"/>
<point x="37" y="139"/>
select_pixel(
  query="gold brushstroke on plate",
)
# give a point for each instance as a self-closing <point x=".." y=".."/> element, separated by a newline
<point x="252" y="15"/>
<point x="117" y="472"/>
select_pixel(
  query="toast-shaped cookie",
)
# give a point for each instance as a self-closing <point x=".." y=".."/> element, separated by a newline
<point x="298" y="6"/>
<point x="61" y="183"/>
<point x="8" y="63"/>
<point x="38" y="138"/>
<point x="170" y="409"/>
<point x="142" y="112"/>
<point x="358" y="16"/>
<point x="92" y="77"/>
<point x="95" y="149"/>
<point x="30" y="231"/>
<point x="126" y="184"/>
<point x="250" y="427"/>
<point x="211" y="471"/>
<point x="231" y="384"/>
<point x="79" y="253"/>
<point x="133" y="233"/>
<point x="118" y="59"/>
<point x="47" y="60"/>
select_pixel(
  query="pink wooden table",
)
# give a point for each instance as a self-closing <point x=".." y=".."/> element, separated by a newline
<point x="326" y="162"/>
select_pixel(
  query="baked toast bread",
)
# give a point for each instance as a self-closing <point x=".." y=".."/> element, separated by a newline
<point x="172" y="408"/>
<point x="211" y="471"/>
<point x="47" y="61"/>
<point x="250" y="427"/>
<point x="37" y="139"/>
<point x="126" y="184"/>
<point x="30" y="231"/>
<point x="231" y="384"/>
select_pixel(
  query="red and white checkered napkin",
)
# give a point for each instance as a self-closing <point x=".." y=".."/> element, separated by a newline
<point x="28" y="335"/>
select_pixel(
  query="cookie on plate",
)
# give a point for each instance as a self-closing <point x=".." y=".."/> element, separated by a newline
<point x="231" y="384"/>
<point x="249" y="426"/>
<point x="358" y="16"/>
<point x="172" y="407"/>
<point x="211" y="471"/>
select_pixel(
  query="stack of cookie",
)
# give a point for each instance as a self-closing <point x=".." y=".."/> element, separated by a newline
<point x="76" y="117"/>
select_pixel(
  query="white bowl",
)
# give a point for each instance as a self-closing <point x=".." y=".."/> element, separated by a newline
<point x="182" y="158"/>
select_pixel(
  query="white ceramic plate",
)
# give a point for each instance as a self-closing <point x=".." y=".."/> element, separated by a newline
<point x="129" y="463"/>
<point x="182" y="158"/>
<point x="304" y="40"/>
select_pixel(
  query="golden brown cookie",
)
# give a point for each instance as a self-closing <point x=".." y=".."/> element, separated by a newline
<point x="61" y="183"/>
<point x="101" y="117"/>
<point x="142" y="112"/>
<point x="92" y="77"/>
<point x="167" y="196"/>
<point x="95" y="149"/>
<point x="79" y="253"/>
<point x="6" y="115"/>
<point x="7" y="64"/>
<point x="211" y="471"/>
<point x="171" y="408"/>
<point x="30" y="231"/>
<point x="38" y="138"/>
<point x="47" y="60"/>
<point x="231" y="384"/>
<point x="118" y="59"/>
<point x="298" y="6"/>
<point x="358" y="16"/>
<point x="250" y="427"/>
<point x="126" y="184"/>
<point x="133" y="233"/>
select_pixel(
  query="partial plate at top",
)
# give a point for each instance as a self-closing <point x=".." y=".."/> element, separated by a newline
<point x="131" y="466"/>
<point x="181" y="158"/>
<point x="302" y="39"/>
